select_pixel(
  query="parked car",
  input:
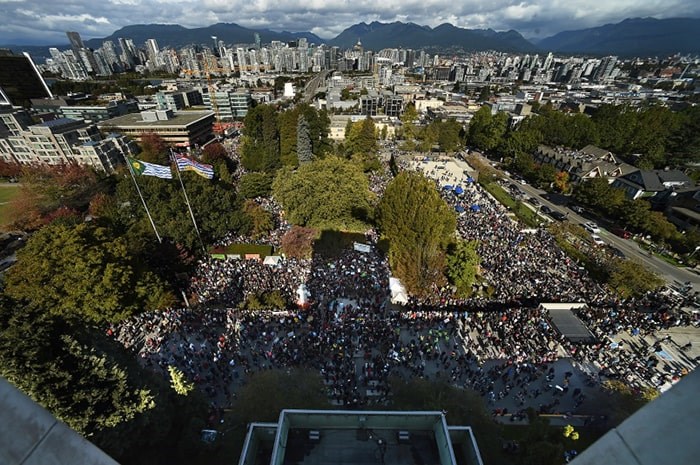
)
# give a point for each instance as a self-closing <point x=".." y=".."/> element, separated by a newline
<point x="559" y="216"/>
<point x="597" y="240"/>
<point x="577" y="208"/>
<point x="546" y="210"/>
<point x="623" y="233"/>
<point x="617" y="252"/>
<point x="591" y="227"/>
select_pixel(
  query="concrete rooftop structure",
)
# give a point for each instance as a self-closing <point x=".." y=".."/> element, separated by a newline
<point x="664" y="431"/>
<point x="30" y="435"/>
<point x="315" y="437"/>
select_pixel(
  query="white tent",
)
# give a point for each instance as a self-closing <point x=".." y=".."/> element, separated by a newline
<point x="398" y="292"/>
<point x="273" y="260"/>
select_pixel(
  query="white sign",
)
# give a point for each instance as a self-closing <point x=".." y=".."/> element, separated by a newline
<point x="364" y="248"/>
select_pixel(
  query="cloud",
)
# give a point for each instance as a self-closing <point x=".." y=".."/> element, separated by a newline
<point x="33" y="20"/>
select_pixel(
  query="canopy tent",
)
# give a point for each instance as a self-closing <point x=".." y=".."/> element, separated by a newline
<point x="273" y="260"/>
<point x="459" y="190"/>
<point x="398" y="292"/>
<point x="459" y="208"/>
<point x="475" y="208"/>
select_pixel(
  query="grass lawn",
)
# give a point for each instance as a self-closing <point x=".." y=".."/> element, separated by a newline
<point x="7" y="193"/>
<point x="523" y="213"/>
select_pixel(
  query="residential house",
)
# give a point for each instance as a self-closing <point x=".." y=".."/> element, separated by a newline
<point x="644" y="183"/>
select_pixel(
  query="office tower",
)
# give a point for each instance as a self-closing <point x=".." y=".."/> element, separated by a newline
<point x="256" y="36"/>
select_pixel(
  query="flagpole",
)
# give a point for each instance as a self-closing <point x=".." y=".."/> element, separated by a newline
<point x="143" y="201"/>
<point x="187" y="201"/>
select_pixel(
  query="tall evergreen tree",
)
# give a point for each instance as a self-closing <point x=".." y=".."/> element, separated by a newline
<point x="304" y="153"/>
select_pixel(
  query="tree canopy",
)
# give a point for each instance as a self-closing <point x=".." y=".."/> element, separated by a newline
<point x="214" y="203"/>
<point x="331" y="193"/>
<point x="84" y="271"/>
<point x="486" y="130"/>
<point x="49" y="359"/>
<point x="260" y="150"/>
<point x="462" y="265"/>
<point x="418" y="225"/>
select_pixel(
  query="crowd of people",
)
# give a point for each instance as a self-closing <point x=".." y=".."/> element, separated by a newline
<point x="502" y="345"/>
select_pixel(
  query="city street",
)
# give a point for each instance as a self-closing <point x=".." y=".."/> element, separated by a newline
<point x="672" y="274"/>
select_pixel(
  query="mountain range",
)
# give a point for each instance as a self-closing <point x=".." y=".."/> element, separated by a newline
<point x="631" y="37"/>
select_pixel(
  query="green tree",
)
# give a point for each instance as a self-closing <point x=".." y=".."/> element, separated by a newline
<point x="329" y="193"/>
<point x="448" y="135"/>
<point x="462" y="265"/>
<point x="486" y="131"/>
<point x="48" y="358"/>
<point x="261" y="222"/>
<point x="288" y="137"/>
<point x="598" y="193"/>
<point x="418" y="225"/>
<point x="409" y="118"/>
<point x="86" y="272"/>
<point x="253" y="185"/>
<point x="214" y="203"/>
<point x="303" y="141"/>
<point x="630" y="279"/>
<point x="635" y="213"/>
<point x="362" y="137"/>
<point x="260" y="149"/>
<point x="179" y="382"/>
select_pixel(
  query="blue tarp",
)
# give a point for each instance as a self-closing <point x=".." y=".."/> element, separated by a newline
<point x="470" y="179"/>
<point x="448" y="187"/>
<point x="459" y="190"/>
<point x="475" y="208"/>
<point x="459" y="208"/>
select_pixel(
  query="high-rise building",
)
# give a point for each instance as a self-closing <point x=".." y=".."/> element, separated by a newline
<point x="605" y="69"/>
<point x="76" y="42"/>
<point x="20" y="80"/>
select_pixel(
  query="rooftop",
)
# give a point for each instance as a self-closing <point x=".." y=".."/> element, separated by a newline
<point x="314" y="437"/>
<point x="181" y="118"/>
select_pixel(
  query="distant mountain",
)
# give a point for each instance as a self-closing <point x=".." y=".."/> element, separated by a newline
<point x="376" y="36"/>
<point x="177" y="36"/>
<point x="631" y="37"/>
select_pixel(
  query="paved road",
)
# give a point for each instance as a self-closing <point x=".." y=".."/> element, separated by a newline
<point x="671" y="273"/>
<point x="313" y="84"/>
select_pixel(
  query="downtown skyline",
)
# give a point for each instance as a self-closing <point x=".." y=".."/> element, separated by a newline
<point x="29" y="22"/>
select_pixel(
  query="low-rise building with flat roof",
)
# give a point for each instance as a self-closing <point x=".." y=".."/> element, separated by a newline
<point x="181" y="129"/>
<point x="314" y="437"/>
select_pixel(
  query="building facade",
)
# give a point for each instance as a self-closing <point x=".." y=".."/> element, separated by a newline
<point x="60" y="141"/>
<point x="181" y="129"/>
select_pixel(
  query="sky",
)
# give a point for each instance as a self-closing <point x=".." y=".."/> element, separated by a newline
<point x="42" y="22"/>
